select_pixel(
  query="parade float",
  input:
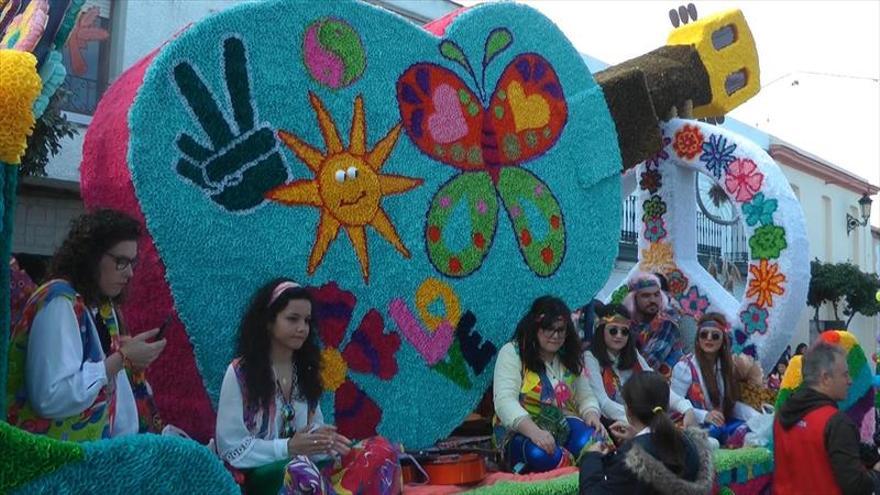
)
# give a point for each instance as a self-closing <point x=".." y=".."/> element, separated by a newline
<point x="426" y="182"/>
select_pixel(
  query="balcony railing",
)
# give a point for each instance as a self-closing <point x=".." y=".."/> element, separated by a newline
<point x="714" y="241"/>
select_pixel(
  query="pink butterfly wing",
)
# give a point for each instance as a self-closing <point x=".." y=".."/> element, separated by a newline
<point x="441" y="115"/>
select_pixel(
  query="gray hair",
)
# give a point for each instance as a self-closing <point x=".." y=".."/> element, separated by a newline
<point x="820" y="359"/>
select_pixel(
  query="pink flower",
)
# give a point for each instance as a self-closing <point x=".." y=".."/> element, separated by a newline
<point x="743" y="179"/>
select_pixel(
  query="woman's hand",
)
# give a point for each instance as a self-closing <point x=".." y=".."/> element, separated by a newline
<point x="314" y="443"/>
<point x="622" y="431"/>
<point x="340" y="444"/>
<point x="544" y="440"/>
<point x="715" y="417"/>
<point x="689" y="419"/>
<point x="592" y="419"/>
<point x="138" y="351"/>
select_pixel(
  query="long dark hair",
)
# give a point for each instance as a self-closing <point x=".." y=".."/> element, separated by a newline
<point x="627" y="358"/>
<point x="254" y="343"/>
<point x="91" y="235"/>
<point x="707" y="367"/>
<point x="647" y="396"/>
<point x="545" y="311"/>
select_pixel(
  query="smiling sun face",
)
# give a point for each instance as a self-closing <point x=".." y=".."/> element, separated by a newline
<point x="348" y="186"/>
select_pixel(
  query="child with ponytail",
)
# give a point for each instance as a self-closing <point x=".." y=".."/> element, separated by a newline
<point x="654" y="456"/>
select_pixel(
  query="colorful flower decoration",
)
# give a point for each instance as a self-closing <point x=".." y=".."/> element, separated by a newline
<point x="766" y="283"/>
<point x="654" y="161"/>
<point x="653" y="208"/>
<point x="20" y="85"/>
<point x="678" y="282"/>
<point x="759" y="210"/>
<point x="767" y="242"/>
<point x="688" y="142"/>
<point x="655" y="229"/>
<point x="754" y="319"/>
<point x="743" y="179"/>
<point x="26" y="29"/>
<point x="370" y="350"/>
<point x="717" y="155"/>
<point x="693" y="303"/>
<point x="657" y="258"/>
<point x="618" y="295"/>
<point x="651" y="181"/>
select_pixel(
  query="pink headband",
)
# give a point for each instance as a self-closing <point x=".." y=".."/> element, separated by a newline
<point x="713" y="324"/>
<point x="280" y="288"/>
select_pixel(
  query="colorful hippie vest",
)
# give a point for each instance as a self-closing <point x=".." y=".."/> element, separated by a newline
<point x="546" y="405"/>
<point x="695" y="391"/>
<point x="96" y="421"/>
<point x="611" y="381"/>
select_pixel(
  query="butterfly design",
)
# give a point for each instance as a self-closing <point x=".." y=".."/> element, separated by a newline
<point x="488" y="140"/>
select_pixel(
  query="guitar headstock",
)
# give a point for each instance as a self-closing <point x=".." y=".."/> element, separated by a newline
<point x="727" y="50"/>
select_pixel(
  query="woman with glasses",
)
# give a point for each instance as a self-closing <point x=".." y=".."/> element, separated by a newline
<point x="706" y="378"/>
<point x="269" y="420"/>
<point x="75" y="372"/>
<point x="613" y="360"/>
<point x="545" y="411"/>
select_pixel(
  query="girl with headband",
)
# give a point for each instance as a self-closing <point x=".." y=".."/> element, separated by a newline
<point x="545" y="412"/>
<point x="654" y="456"/>
<point x="706" y="378"/>
<point x="269" y="421"/>
<point x="613" y="359"/>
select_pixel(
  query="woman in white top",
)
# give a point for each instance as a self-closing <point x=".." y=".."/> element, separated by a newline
<point x="74" y="371"/>
<point x="543" y="401"/>
<point x="613" y="359"/>
<point x="268" y="418"/>
<point x="706" y="379"/>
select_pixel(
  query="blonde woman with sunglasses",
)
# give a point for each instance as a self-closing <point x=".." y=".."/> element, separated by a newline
<point x="613" y="360"/>
<point x="706" y="378"/>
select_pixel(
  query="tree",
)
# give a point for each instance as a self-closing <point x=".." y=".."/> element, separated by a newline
<point x="845" y="287"/>
<point x="45" y="142"/>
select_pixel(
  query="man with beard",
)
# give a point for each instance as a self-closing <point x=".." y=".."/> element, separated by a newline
<point x="655" y="325"/>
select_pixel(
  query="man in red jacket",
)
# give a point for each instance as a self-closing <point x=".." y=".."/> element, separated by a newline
<point x="816" y="447"/>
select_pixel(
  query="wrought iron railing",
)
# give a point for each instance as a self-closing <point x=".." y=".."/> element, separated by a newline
<point x="721" y="242"/>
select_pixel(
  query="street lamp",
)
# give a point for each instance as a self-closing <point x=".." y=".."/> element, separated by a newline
<point x="864" y="209"/>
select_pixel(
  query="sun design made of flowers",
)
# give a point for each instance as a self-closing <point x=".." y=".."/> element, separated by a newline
<point x="369" y="350"/>
<point x="348" y="186"/>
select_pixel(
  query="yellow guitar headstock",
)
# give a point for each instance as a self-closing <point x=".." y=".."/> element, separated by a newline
<point x="726" y="47"/>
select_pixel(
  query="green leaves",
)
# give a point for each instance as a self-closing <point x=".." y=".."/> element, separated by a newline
<point x="497" y="41"/>
<point x="452" y="52"/>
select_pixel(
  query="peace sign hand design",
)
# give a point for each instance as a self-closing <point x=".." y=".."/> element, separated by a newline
<point x="238" y="168"/>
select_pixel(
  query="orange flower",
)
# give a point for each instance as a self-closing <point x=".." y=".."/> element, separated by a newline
<point x="658" y="258"/>
<point x="765" y="283"/>
<point x="688" y="142"/>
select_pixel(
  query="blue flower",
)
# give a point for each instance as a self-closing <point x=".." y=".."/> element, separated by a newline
<point x="655" y="229"/>
<point x="760" y="210"/>
<point x="754" y="319"/>
<point x="717" y="155"/>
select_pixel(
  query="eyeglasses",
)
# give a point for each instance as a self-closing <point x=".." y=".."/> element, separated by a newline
<point x="551" y="332"/>
<point x="122" y="262"/>
<point x="707" y="335"/>
<point x="613" y="331"/>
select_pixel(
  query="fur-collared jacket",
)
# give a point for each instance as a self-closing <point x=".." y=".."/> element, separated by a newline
<point x="633" y="469"/>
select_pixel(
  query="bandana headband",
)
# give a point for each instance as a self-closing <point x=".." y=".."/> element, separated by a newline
<point x="712" y="324"/>
<point x="616" y="319"/>
<point x="280" y="288"/>
<point x="643" y="283"/>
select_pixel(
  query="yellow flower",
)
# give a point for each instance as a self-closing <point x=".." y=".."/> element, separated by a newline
<point x="658" y="258"/>
<point x="20" y="85"/>
<point x="333" y="369"/>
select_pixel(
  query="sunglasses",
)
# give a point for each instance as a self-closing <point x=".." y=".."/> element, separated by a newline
<point x="613" y="331"/>
<point x="707" y="335"/>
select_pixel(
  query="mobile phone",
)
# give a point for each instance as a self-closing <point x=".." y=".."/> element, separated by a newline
<point x="164" y="326"/>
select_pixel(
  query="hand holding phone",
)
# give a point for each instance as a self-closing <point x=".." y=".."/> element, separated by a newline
<point x="164" y="326"/>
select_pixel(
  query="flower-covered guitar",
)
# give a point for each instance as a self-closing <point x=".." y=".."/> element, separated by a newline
<point x="487" y="139"/>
